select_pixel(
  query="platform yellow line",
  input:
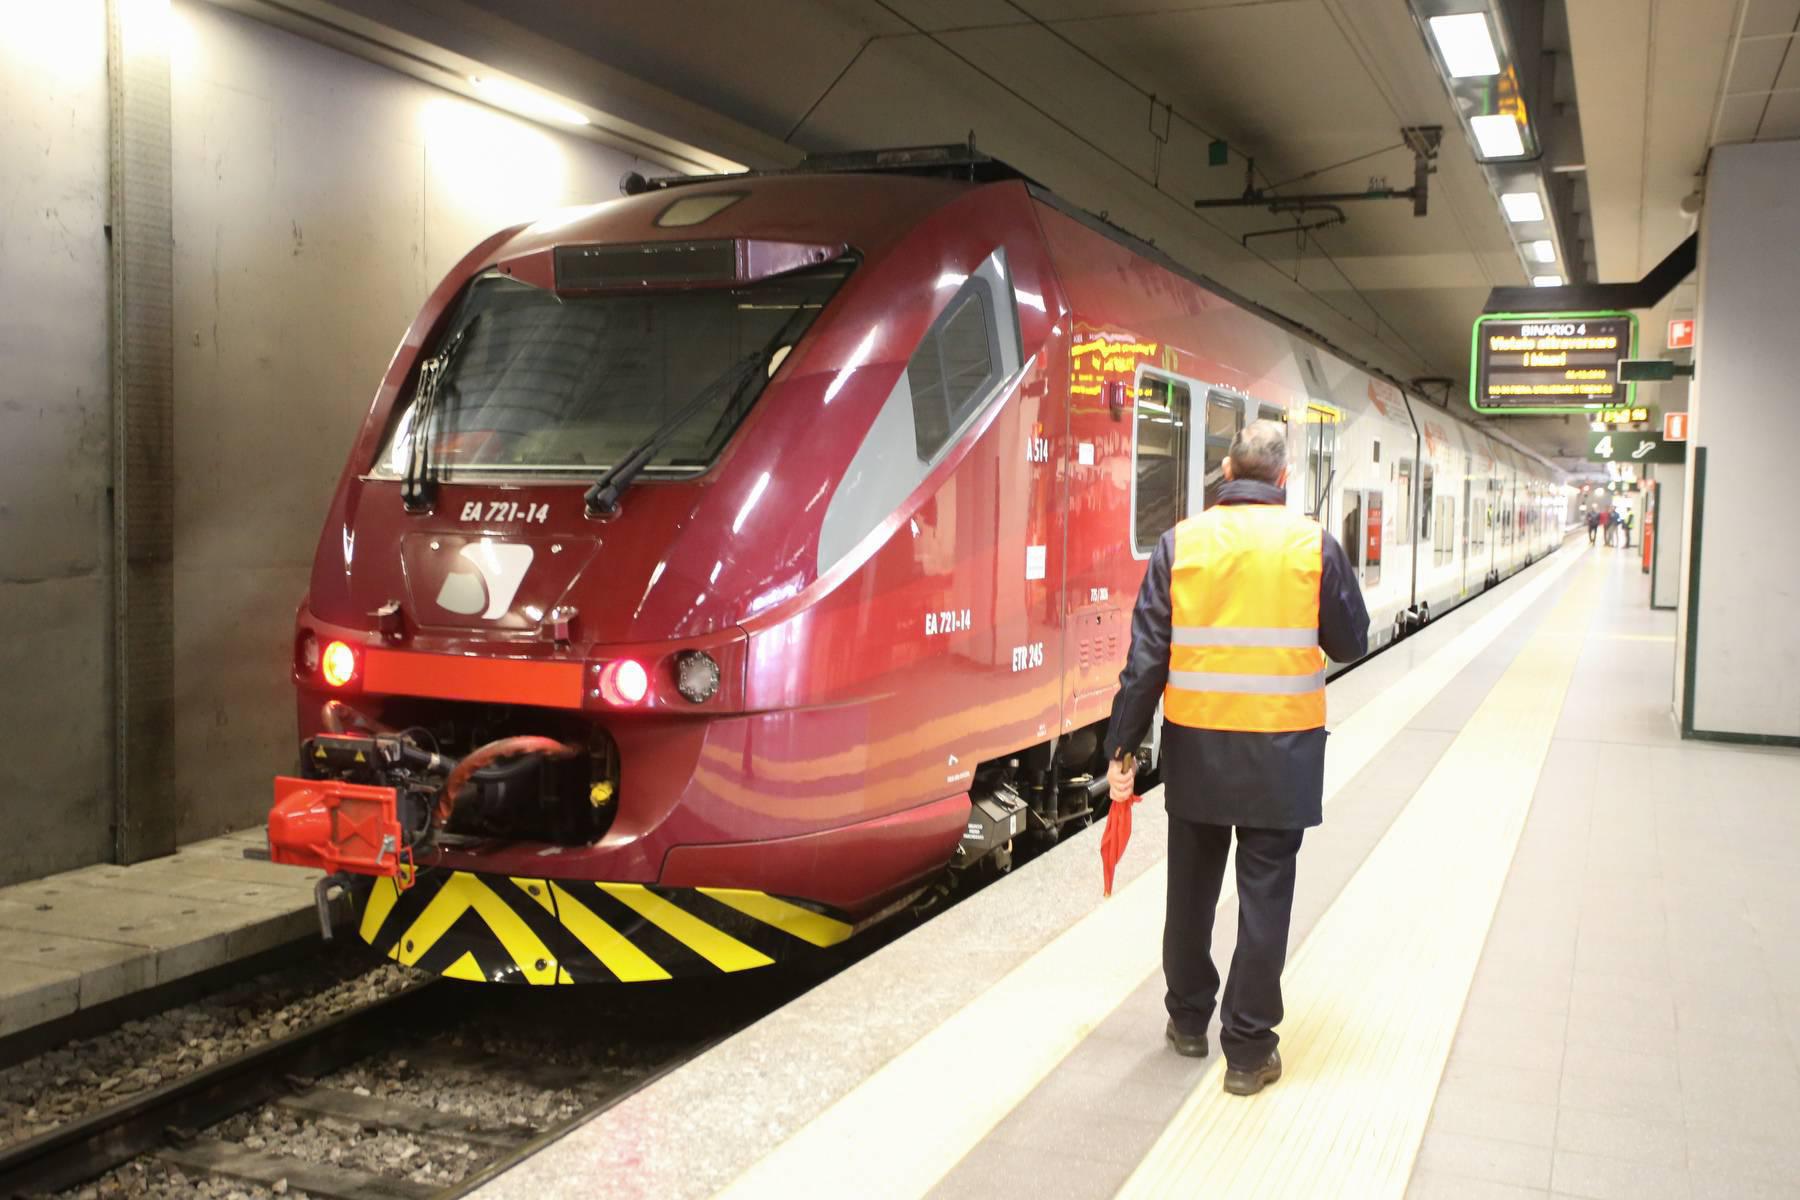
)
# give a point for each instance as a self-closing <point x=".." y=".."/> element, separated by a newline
<point x="1377" y="990"/>
<point x="1048" y="1004"/>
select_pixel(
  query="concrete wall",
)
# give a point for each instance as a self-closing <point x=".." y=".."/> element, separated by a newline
<point x="1746" y="413"/>
<point x="318" y="198"/>
<point x="55" y="415"/>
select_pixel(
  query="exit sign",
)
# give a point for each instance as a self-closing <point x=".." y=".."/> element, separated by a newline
<point x="1681" y="334"/>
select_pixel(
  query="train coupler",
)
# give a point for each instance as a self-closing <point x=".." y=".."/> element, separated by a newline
<point x="339" y="828"/>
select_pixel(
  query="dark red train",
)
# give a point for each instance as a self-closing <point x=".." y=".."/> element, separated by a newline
<point x="720" y="566"/>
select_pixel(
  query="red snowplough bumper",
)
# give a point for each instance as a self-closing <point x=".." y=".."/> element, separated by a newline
<point x="338" y="826"/>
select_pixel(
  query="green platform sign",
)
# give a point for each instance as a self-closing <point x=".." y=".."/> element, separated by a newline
<point x="1634" y="447"/>
<point x="1550" y="362"/>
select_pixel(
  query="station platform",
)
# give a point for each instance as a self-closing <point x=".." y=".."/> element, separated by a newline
<point x="1541" y="946"/>
<point x="81" y="939"/>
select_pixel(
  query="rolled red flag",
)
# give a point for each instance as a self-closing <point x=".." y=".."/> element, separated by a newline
<point x="1114" y="838"/>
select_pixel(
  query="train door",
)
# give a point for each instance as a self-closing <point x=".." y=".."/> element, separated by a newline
<point x="1224" y="417"/>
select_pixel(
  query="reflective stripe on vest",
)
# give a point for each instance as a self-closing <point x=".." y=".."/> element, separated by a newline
<point x="1244" y="645"/>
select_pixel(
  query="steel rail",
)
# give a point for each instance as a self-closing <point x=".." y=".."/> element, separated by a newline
<point x="92" y="1145"/>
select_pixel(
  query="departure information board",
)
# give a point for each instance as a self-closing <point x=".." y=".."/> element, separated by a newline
<point x="1550" y="362"/>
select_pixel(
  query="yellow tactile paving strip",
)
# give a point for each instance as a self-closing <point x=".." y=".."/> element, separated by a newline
<point x="1052" y="1001"/>
<point x="1376" y="991"/>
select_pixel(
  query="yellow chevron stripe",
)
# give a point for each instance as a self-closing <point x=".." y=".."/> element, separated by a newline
<point x="382" y="898"/>
<point x="610" y="946"/>
<point x="465" y="968"/>
<point x="803" y="923"/>
<point x="460" y="893"/>
<point x="715" y="946"/>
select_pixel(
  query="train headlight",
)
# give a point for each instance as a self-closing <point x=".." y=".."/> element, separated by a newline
<point x="696" y="675"/>
<point x="338" y="665"/>
<point x="624" y="682"/>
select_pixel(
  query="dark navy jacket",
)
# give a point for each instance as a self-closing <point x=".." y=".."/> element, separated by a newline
<point x="1222" y="777"/>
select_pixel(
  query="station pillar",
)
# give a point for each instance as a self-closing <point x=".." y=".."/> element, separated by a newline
<point x="1737" y="642"/>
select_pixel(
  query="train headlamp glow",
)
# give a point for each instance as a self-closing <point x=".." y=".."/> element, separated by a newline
<point x="338" y="664"/>
<point x="624" y="682"/>
<point x="696" y="675"/>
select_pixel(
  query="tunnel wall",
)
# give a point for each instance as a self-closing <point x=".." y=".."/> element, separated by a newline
<point x="1740" y="644"/>
<point x="55" y="414"/>
<point x="318" y="198"/>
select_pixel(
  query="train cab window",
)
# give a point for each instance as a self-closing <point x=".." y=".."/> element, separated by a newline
<point x="950" y="370"/>
<point x="1224" y="417"/>
<point x="1160" y="459"/>
<point x="1266" y="413"/>
<point x="1352" y="539"/>
<point x="960" y="367"/>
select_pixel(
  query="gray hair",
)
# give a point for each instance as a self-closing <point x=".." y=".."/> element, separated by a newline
<point x="1260" y="452"/>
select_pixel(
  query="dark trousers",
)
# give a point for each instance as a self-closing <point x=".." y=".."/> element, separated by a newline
<point x="1265" y="886"/>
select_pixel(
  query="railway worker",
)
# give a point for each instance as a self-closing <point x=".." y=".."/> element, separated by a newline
<point x="1235" y="608"/>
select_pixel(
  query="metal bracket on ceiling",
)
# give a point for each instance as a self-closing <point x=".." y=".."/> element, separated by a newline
<point x="1422" y="140"/>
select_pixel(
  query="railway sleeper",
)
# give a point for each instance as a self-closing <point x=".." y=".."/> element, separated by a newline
<point x="209" y="1156"/>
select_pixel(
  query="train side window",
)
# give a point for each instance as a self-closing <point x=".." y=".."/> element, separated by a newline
<point x="1267" y="413"/>
<point x="1427" y="477"/>
<point x="1403" y="514"/>
<point x="1442" y="549"/>
<point x="1372" y="537"/>
<point x="1224" y="417"/>
<point x="1352" y="541"/>
<point x="1159" y="453"/>
<point x="951" y="369"/>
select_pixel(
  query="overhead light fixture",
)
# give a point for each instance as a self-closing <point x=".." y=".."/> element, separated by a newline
<point x="1497" y="135"/>
<point x="1546" y="281"/>
<point x="1522" y="206"/>
<point x="1466" y="45"/>
<point x="504" y="94"/>
<point x="1543" y="250"/>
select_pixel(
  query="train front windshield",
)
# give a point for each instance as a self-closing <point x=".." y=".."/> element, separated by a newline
<point x="541" y="384"/>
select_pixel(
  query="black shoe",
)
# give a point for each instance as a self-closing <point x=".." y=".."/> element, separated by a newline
<point x="1186" y="1045"/>
<point x="1247" y="1081"/>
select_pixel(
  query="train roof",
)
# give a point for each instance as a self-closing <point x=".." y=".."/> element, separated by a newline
<point x="963" y="163"/>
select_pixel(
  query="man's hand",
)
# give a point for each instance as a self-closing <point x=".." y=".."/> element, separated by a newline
<point x="1121" y="777"/>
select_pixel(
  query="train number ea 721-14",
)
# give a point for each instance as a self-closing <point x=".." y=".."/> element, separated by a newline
<point x="948" y="621"/>
<point x="496" y="511"/>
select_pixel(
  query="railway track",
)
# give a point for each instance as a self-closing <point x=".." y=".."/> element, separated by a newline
<point x="290" y="1117"/>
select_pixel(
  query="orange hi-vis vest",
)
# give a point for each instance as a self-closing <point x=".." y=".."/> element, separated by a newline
<point x="1244" y="608"/>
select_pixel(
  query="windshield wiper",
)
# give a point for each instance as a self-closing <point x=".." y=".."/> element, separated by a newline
<point x="416" y="485"/>
<point x="603" y="497"/>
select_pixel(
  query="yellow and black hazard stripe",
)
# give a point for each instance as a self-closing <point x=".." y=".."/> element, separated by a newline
<point x="500" y="929"/>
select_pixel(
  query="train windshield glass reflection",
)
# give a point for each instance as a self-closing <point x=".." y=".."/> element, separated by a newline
<point x="546" y="384"/>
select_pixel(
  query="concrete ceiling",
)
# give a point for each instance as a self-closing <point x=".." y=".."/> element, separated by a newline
<point x="1114" y="103"/>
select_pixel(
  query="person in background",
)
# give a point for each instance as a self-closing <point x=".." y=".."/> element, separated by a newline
<point x="1238" y="610"/>
<point x="1593" y="524"/>
<point x="1626" y="525"/>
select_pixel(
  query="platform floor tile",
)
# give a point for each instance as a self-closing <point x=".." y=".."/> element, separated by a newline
<point x="95" y="934"/>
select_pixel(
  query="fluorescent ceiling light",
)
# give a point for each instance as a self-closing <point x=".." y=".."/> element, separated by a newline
<point x="1546" y="281"/>
<point x="524" y="101"/>
<point x="1544" y="251"/>
<point x="1466" y="46"/>
<point x="1522" y="206"/>
<point x="1498" y="136"/>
